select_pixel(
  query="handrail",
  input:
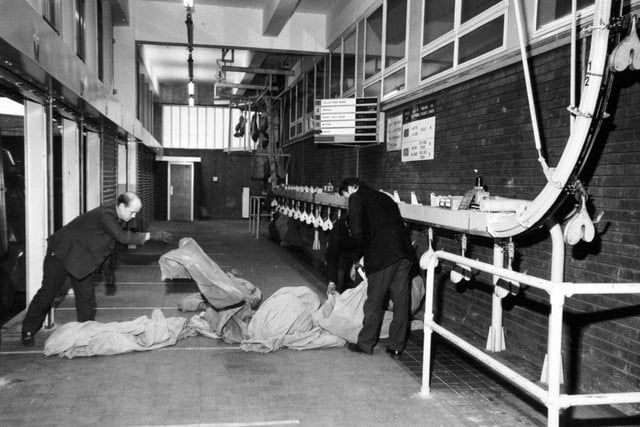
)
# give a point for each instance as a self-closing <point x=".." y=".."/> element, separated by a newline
<point x="552" y="398"/>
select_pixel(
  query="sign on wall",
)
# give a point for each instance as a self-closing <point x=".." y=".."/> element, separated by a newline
<point x="418" y="132"/>
<point x="394" y="133"/>
<point x="346" y="121"/>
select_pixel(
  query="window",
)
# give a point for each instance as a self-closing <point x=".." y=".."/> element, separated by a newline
<point x="437" y="61"/>
<point x="394" y="82"/>
<point x="373" y="44"/>
<point x="551" y="10"/>
<point x="310" y="92"/>
<point x="51" y="13"/>
<point x="319" y="80"/>
<point x="482" y="40"/>
<point x="335" y="71"/>
<point x="396" y="32"/>
<point x="201" y="127"/>
<point x="438" y="19"/>
<point x="472" y="8"/>
<point x="300" y="99"/>
<point x="455" y="32"/>
<point x="385" y="51"/>
<point x="292" y="106"/>
<point x="100" y="41"/>
<point x="349" y="62"/>
<point x="80" y="29"/>
<point x="373" y="90"/>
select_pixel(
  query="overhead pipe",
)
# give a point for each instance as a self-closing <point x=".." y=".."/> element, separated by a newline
<point x="572" y="74"/>
<point x="511" y="225"/>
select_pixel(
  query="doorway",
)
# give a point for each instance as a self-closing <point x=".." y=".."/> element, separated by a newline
<point x="180" y="192"/>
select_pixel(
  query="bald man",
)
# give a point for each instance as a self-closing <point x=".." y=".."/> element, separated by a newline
<point x="76" y="251"/>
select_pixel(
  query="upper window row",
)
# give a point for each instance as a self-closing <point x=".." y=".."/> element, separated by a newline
<point x="454" y="33"/>
<point x="52" y="13"/>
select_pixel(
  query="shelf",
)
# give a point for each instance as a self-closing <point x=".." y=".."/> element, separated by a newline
<point x="469" y="221"/>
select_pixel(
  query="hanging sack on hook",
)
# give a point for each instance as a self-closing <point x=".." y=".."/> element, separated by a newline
<point x="627" y="52"/>
<point x="240" y="127"/>
<point x="255" y="131"/>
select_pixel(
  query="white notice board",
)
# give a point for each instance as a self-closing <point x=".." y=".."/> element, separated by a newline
<point x="394" y="133"/>
<point x="418" y="132"/>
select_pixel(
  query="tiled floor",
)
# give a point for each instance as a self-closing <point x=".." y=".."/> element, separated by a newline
<point x="206" y="382"/>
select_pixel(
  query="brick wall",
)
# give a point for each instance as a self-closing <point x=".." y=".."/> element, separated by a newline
<point x="484" y="124"/>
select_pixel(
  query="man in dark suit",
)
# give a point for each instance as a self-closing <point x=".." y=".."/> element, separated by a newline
<point x="379" y="233"/>
<point x="76" y="251"/>
<point x="340" y="257"/>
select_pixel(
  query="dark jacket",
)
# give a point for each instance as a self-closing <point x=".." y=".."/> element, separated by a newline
<point x="340" y="243"/>
<point x="84" y="243"/>
<point x="378" y="229"/>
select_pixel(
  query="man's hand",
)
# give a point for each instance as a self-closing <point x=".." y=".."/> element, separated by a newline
<point x="331" y="288"/>
<point x="353" y="271"/>
<point x="161" y="236"/>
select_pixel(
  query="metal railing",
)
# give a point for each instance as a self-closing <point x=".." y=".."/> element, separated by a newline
<point x="551" y="397"/>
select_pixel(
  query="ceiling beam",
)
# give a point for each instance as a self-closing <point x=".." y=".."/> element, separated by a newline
<point x="275" y="16"/>
<point x="253" y="70"/>
<point x="243" y="86"/>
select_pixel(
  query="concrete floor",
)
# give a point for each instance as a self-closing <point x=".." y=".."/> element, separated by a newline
<point x="205" y="382"/>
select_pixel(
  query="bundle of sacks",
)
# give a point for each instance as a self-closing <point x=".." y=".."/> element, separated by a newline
<point x="230" y="308"/>
<point x="227" y="300"/>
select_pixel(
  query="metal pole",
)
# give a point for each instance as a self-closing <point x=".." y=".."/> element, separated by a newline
<point x="428" y="332"/>
<point x="495" y="341"/>
<point x="554" y="356"/>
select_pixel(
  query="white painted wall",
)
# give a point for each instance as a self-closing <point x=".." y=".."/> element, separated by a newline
<point x="36" y="200"/>
<point x="124" y="65"/>
<point x="348" y="16"/>
<point x="132" y="166"/>
<point x="70" y="171"/>
<point x="93" y="186"/>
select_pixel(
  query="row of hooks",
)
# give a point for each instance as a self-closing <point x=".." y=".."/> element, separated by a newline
<point x="320" y="216"/>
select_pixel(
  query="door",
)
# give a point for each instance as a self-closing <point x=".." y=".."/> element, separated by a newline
<point x="180" y="192"/>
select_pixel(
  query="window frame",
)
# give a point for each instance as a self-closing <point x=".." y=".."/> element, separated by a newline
<point x="80" y="20"/>
<point x="100" y="37"/>
<point x="353" y="31"/>
<point x="401" y="63"/>
<point x="201" y="125"/>
<point x="378" y="74"/>
<point x="55" y="20"/>
<point x="385" y="71"/>
<point x="460" y="30"/>
<point x="560" y="24"/>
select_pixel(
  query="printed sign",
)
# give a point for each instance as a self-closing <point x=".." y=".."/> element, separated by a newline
<point x="346" y="121"/>
<point x="418" y="132"/>
<point x="394" y="133"/>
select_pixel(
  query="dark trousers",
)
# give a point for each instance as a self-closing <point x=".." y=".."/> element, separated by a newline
<point x="53" y="276"/>
<point x="393" y="281"/>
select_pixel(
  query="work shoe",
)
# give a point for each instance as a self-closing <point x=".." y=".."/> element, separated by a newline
<point x="357" y="349"/>
<point x="28" y="339"/>
<point x="395" y="354"/>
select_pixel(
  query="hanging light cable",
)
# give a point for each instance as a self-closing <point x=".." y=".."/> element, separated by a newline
<point x="188" y="4"/>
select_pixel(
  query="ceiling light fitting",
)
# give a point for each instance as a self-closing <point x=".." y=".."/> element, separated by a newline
<point x="192" y="102"/>
<point x="190" y="88"/>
